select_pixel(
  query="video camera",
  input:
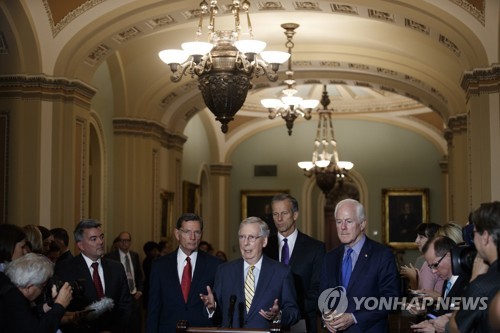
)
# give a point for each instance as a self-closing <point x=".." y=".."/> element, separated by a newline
<point x="462" y="256"/>
<point x="462" y="259"/>
<point x="77" y="286"/>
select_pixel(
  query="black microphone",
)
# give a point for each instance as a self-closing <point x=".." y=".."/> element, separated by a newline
<point x="232" y="302"/>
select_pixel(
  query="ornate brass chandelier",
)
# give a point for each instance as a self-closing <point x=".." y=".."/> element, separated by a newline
<point x="290" y="106"/>
<point x="225" y="65"/>
<point x="325" y="164"/>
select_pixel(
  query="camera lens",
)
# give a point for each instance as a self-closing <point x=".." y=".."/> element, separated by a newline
<point x="462" y="259"/>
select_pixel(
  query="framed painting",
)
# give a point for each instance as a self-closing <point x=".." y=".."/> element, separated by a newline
<point x="191" y="198"/>
<point x="258" y="203"/>
<point x="167" y="217"/>
<point x="403" y="209"/>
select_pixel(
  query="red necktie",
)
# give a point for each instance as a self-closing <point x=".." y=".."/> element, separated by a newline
<point x="97" y="280"/>
<point x="186" y="279"/>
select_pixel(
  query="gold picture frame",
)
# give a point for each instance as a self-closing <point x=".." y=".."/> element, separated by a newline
<point x="403" y="209"/>
<point x="254" y="202"/>
<point x="191" y="200"/>
<point x="167" y="216"/>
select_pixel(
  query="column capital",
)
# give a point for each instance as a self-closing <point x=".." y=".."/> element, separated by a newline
<point x="481" y="80"/>
<point x="220" y="169"/>
<point x="46" y="87"/>
<point x="149" y="129"/>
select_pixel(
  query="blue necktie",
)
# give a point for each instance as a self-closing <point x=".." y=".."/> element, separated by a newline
<point x="285" y="252"/>
<point x="346" y="268"/>
<point x="448" y="288"/>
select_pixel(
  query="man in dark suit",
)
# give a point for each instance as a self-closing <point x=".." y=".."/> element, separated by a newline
<point x="178" y="279"/>
<point x="131" y="263"/>
<point x="253" y="291"/>
<point x="102" y="279"/>
<point x="363" y="267"/>
<point x="304" y="255"/>
<point x="437" y="253"/>
<point x="61" y="238"/>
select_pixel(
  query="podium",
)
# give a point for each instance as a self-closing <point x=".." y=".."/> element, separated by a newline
<point x="183" y="327"/>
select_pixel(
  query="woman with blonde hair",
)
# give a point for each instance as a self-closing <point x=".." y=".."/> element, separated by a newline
<point x="34" y="239"/>
<point x="453" y="231"/>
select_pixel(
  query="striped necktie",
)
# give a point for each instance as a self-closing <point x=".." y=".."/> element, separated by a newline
<point x="249" y="287"/>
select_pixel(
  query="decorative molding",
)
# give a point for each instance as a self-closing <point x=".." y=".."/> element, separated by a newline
<point x="160" y="22"/>
<point x="220" y="169"/>
<point x="449" y="44"/>
<point x="380" y="15"/>
<point x="70" y="16"/>
<point x="98" y="54"/>
<point x="126" y="35"/>
<point x="270" y="5"/>
<point x="472" y="9"/>
<point x="149" y="129"/>
<point x="46" y="88"/>
<point x="344" y="9"/>
<point x="417" y="26"/>
<point x="481" y="81"/>
<point x="458" y="123"/>
<point x="306" y="5"/>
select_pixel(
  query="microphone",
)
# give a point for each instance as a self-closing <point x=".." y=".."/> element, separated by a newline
<point x="232" y="302"/>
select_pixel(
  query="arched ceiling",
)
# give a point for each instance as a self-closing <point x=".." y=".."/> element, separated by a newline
<point x="395" y="61"/>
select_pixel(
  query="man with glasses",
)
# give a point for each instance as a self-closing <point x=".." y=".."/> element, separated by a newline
<point x="253" y="291"/>
<point x="177" y="280"/>
<point x="302" y="253"/>
<point x="437" y="254"/>
<point x="135" y="278"/>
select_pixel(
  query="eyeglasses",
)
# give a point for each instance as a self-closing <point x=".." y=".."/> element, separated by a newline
<point x="284" y="213"/>
<point x="125" y="240"/>
<point x="250" y="238"/>
<point x="189" y="233"/>
<point x="436" y="264"/>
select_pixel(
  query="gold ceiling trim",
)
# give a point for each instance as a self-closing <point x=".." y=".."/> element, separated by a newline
<point x="56" y="27"/>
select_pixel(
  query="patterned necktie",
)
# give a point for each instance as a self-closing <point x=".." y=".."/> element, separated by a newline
<point x="285" y="252"/>
<point x="97" y="280"/>
<point x="448" y="288"/>
<point x="346" y="268"/>
<point x="186" y="279"/>
<point x="130" y="276"/>
<point x="249" y="287"/>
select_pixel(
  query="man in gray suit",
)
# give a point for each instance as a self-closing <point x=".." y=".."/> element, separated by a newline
<point x="135" y="278"/>
<point x="302" y="253"/>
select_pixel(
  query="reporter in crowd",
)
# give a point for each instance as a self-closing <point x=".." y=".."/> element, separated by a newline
<point x="29" y="275"/>
<point x="486" y="220"/>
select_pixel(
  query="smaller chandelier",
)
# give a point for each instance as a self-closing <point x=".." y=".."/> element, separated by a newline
<point x="290" y="106"/>
<point x="325" y="164"/>
<point x="225" y="65"/>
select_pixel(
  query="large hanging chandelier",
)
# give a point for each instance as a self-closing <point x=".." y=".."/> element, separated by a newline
<point x="325" y="164"/>
<point x="290" y="106"/>
<point x="226" y="64"/>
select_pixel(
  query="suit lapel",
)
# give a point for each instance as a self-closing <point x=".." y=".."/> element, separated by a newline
<point x="265" y="277"/>
<point x="199" y="270"/>
<point x="364" y="256"/>
<point x="82" y="270"/>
